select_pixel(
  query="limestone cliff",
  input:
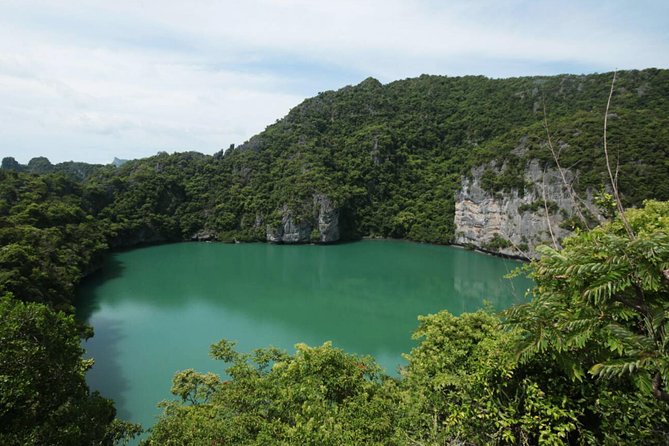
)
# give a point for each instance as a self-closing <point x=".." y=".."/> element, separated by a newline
<point x="328" y="219"/>
<point x="515" y="223"/>
<point x="322" y="226"/>
<point x="290" y="230"/>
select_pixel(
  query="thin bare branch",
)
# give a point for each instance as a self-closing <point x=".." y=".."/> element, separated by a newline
<point x="523" y="254"/>
<point x="548" y="219"/>
<point x="617" y="163"/>
<point x="556" y="157"/>
<point x="614" y="182"/>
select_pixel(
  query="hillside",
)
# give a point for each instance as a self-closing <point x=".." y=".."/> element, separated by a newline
<point x="389" y="160"/>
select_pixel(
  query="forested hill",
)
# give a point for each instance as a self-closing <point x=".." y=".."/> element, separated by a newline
<point x="391" y="156"/>
<point x="387" y="160"/>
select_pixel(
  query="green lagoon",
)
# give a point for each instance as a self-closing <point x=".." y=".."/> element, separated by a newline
<point x="156" y="310"/>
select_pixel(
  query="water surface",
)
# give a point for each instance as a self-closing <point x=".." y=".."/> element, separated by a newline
<point x="156" y="310"/>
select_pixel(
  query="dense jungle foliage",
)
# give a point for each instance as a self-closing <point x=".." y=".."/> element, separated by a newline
<point x="593" y="365"/>
<point x="391" y="157"/>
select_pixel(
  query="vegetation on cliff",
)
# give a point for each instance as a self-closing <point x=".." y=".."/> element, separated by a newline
<point x="391" y="157"/>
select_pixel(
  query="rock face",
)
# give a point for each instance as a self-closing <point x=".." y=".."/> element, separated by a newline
<point x="516" y="223"/>
<point x="328" y="219"/>
<point x="322" y="226"/>
<point x="290" y="230"/>
<point x="204" y="235"/>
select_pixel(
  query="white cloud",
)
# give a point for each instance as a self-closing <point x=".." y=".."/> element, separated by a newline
<point x="92" y="80"/>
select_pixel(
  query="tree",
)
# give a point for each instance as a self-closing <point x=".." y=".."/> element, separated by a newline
<point x="318" y="396"/>
<point x="43" y="394"/>
<point x="602" y="303"/>
<point x="464" y="385"/>
<point x="601" y="312"/>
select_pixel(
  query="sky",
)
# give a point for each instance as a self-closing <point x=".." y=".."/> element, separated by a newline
<point x="90" y="80"/>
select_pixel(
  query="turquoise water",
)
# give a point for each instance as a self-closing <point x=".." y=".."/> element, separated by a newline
<point x="156" y="310"/>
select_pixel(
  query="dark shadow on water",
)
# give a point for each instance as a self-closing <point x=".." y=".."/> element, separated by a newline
<point x="111" y="269"/>
<point x="86" y="302"/>
<point x="106" y="375"/>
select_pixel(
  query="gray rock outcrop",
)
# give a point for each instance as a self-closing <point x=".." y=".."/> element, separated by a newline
<point x="204" y="235"/>
<point x="516" y="223"/>
<point x="328" y="219"/>
<point x="322" y="225"/>
<point x="290" y="230"/>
